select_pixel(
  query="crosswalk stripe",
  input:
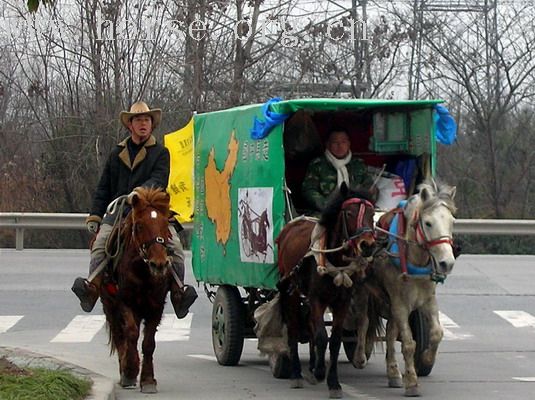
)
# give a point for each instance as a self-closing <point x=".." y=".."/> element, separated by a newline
<point x="81" y="329"/>
<point x="447" y="325"/>
<point x="8" y="321"/>
<point x="519" y="319"/>
<point x="172" y="329"/>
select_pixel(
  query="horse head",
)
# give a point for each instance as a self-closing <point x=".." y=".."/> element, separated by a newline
<point x="431" y="213"/>
<point x="349" y="215"/>
<point x="149" y="223"/>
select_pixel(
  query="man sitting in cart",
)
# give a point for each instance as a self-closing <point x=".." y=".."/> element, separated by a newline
<point x="137" y="161"/>
<point x="327" y="172"/>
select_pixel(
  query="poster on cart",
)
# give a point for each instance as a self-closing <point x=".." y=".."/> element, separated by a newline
<point x="255" y="224"/>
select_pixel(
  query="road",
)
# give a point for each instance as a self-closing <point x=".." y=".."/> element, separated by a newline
<point x="487" y="305"/>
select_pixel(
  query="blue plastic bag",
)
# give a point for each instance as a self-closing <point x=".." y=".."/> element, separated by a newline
<point x="261" y="128"/>
<point x="446" y="127"/>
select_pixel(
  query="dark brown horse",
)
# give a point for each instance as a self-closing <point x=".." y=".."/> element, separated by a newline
<point x="346" y="233"/>
<point x="135" y="290"/>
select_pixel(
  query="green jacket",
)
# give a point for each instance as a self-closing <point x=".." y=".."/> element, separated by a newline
<point x="321" y="178"/>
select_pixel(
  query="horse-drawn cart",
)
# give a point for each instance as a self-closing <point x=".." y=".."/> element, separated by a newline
<point x="249" y="165"/>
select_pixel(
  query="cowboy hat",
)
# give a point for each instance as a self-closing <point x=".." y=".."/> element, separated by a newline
<point x="141" y="108"/>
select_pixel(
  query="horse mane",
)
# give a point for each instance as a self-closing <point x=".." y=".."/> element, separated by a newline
<point x="330" y="212"/>
<point x="440" y="194"/>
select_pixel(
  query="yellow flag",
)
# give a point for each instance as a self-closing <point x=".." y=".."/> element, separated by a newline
<point x="180" y="186"/>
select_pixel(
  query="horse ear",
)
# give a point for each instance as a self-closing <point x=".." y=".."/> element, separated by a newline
<point x="413" y="206"/>
<point x="452" y="191"/>
<point x="426" y="194"/>
<point x="134" y="199"/>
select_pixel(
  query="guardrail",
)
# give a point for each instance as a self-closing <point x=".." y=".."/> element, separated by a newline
<point x="22" y="220"/>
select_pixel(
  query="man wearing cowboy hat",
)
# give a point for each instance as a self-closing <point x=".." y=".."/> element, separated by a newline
<point x="136" y="161"/>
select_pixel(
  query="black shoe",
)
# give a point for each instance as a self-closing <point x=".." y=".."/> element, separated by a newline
<point x="86" y="292"/>
<point x="182" y="303"/>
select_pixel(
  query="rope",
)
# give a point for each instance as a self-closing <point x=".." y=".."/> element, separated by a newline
<point x="396" y="236"/>
<point x="116" y="205"/>
<point x="341" y="275"/>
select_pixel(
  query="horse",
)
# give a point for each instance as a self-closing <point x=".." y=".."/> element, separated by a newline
<point x="404" y="275"/>
<point x="135" y="290"/>
<point x="323" y="280"/>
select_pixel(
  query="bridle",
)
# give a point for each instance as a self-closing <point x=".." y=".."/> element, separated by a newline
<point x="361" y="229"/>
<point x="144" y="247"/>
<point x="423" y="240"/>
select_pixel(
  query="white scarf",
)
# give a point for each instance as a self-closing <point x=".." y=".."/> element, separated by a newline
<point x="340" y="165"/>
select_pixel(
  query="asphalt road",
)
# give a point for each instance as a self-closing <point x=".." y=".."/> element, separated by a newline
<point x="487" y="305"/>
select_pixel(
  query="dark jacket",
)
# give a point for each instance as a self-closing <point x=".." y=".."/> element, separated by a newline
<point x="150" y="169"/>
<point x="321" y="180"/>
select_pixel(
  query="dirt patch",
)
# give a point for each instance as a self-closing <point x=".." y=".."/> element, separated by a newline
<point x="8" y="368"/>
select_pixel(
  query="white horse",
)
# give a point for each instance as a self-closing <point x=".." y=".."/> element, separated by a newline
<point x="403" y="280"/>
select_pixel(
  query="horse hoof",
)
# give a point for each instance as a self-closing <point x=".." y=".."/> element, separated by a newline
<point x="296" y="383"/>
<point x="359" y="364"/>
<point x="335" y="394"/>
<point x="395" y="382"/>
<point x="310" y="378"/>
<point x="128" y="383"/>
<point x="412" y="391"/>
<point x="149" y="388"/>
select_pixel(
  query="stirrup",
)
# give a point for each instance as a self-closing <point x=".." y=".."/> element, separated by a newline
<point x="183" y="304"/>
<point x="81" y="289"/>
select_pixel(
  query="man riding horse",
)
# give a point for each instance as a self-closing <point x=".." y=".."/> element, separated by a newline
<point x="136" y="161"/>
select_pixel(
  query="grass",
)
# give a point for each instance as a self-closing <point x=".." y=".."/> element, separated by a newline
<point x="40" y="384"/>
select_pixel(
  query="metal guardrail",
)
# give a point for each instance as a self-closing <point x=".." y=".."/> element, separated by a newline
<point x="26" y="220"/>
<point x="22" y="220"/>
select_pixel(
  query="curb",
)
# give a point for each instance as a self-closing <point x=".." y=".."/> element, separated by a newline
<point x="102" y="389"/>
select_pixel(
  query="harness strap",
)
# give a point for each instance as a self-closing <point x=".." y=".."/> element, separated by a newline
<point x="402" y="245"/>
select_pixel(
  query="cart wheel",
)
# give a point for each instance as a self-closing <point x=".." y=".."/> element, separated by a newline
<point x="420" y="333"/>
<point x="227" y="325"/>
<point x="280" y="366"/>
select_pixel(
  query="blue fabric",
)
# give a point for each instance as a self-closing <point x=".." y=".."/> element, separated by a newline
<point x="394" y="249"/>
<point x="261" y="128"/>
<point x="406" y="170"/>
<point x="446" y="128"/>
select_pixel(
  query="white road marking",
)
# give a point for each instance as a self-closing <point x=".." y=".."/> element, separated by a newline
<point x="448" y="324"/>
<point x="203" y="357"/>
<point x="519" y="319"/>
<point x="8" y="321"/>
<point x="172" y="329"/>
<point x="81" y="329"/>
<point x="524" y="378"/>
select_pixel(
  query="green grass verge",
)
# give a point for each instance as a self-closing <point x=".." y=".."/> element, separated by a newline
<point x="43" y="384"/>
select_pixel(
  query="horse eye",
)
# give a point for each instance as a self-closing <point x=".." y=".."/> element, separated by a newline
<point x="428" y="224"/>
<point x="138" y="227"/>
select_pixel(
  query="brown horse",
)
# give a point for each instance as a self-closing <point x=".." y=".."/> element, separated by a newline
<point x="346" y="237"/>
<point x="135" y="290"/>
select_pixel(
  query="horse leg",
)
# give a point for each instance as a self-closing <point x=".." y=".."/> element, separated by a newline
<point x="130" y="358"/>
<point x="363" y="322"/>
<point x="392" y="369"/>
<point x="408" y="347"/>
<point x="292" y="320"/>
<point x="320" y="338"/>
<point x="146" y="379"/>
<point x="436" y="333"/>
<point x="339" y="314"/>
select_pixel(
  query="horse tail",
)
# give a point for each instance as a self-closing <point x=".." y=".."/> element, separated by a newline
<point x="111" y="343"/>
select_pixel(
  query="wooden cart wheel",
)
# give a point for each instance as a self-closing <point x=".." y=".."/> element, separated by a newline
<point x="420" y="333"/>
<point x="227" y="325"/>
